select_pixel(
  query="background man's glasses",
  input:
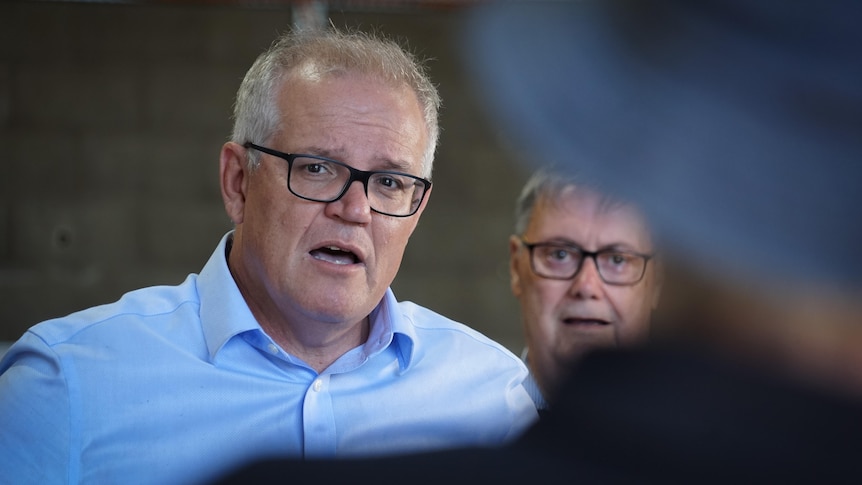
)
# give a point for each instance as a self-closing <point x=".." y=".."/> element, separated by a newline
<point x="321" y="179"/>
<point x="560" y="261"/>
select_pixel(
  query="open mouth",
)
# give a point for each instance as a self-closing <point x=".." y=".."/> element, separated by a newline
<point x="334" y="255"/>
<point x="585" y="321"/>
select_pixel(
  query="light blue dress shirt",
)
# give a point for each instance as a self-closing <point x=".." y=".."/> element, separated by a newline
<point x="177" y="384"/>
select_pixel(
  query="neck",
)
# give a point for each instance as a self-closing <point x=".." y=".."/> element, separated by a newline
<point x="318" y="344"/>
<point x="544" y="375"/>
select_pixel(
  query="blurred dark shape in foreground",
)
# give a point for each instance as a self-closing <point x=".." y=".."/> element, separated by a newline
<point x="737" y="126"/>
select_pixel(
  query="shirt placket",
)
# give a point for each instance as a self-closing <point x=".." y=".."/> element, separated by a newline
<point x="318" y="419"/>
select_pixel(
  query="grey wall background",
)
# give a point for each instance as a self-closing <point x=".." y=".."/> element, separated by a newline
<point x="111" y="121"/>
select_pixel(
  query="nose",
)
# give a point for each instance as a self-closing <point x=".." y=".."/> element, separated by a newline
<point x="587" y="284"/>
<point x="353" y="206"/>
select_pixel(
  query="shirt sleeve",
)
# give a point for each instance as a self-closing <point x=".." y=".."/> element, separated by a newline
<point x="35" y="424"/>
<point x="524" y="411"/>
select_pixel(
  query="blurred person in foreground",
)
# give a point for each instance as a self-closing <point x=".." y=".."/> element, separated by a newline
<point x="583" y="268"/>
<point x="289" y="342"/>
<point x="735" y="125"/>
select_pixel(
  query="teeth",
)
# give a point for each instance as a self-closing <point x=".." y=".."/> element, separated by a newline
<point x="335" y="254"/>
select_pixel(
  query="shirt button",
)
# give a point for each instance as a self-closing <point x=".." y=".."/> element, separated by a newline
<point x="316" y="386"/>
<point x="272" y="348"/>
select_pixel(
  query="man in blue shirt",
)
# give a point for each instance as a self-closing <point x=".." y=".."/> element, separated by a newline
<point x="289" y="342"/>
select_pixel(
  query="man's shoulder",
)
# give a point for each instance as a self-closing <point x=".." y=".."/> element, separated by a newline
<point x="424" y="318"/>
<point x="140" y="305"/>
<point x="432" y="326"/>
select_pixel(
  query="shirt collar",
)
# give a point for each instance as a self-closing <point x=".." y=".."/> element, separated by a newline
<point x="389" y="325"/>
<point x="532" y="386"/>
<point x="224" y="312"/>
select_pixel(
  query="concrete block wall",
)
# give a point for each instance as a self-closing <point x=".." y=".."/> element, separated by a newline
<point x="111" y="120"/>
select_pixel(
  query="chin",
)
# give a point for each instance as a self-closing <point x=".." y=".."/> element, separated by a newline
<point x="338" y="314"/>
<point x="330" y="309"/>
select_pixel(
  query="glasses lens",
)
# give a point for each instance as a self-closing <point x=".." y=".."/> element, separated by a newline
<point x="395" y="193"/>
<point x="553" y="261"/>
<point x="390" y="193"/>
<point x="317" y="179"/>
<point x="620" y="268"/>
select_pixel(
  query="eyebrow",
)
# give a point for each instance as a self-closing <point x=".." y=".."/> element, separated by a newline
<point x="623" y="248"/>
<point x="617" y="246"/>
<point x="385" y="164"/>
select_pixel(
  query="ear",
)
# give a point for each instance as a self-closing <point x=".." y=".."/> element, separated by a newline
<point x="233" y="175"/>
<point x="514" y="265"/>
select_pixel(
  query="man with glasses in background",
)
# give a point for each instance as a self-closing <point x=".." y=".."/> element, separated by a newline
<point x="582" y="266"/>
<point x="289" y="342"/>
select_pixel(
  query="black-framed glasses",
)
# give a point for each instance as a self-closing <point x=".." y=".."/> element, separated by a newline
<point x="560" y="261"/>
<point x="322" y="179"/>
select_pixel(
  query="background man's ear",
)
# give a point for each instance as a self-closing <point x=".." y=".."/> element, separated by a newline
<point x="514" y="266"/>
<point x="233" y="176"/>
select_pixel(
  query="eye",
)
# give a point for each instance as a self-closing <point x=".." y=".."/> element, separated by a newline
<point x="558" y="254"/>
<point x="314" y="168"/>
<point x="619" y="261"/>
<point x="389" y="182"/>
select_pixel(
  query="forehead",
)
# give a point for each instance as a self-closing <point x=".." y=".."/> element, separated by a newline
<point x="351" y="115"/>
<point x="588" y="219"/>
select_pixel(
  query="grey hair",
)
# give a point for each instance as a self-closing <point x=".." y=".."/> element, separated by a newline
<point x="550" y="183"/>
<point x="328" y="52"/>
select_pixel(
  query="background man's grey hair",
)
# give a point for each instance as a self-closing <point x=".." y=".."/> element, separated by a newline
<point x="328" y="53"/>
<point x="550" y="183"/>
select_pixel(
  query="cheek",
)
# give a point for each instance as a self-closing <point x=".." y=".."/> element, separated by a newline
<point x="281" y="229"/>
<point x="390" y="242"/>
<point x="542" y="297"/>
<point x="538" y="309"/>
<point x="284" y="225"/>
<point x="267" y="209"/>
<point x="633" y="308"/>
